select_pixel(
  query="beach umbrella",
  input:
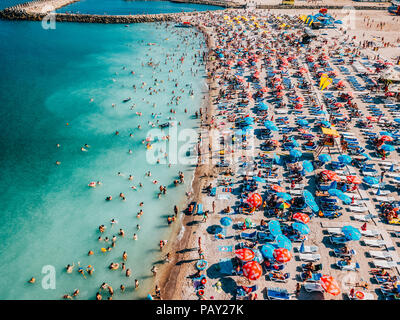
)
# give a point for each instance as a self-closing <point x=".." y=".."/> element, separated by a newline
<point x="386" y="138"/>
<point x="274" y="228"/>
<point x="330" y="285"/>
<point x="386" y="133"/>
<point x="307" y="166"/>
<point x="322" y="112"/>
<point x="351" y="233"/>
<point x="283" y="242"/>
<point x="248" y="222"/>
<point x="262" y="106"/>
<point x="370" y="180"/>
<point x="353" y="179"/>
<point x="337" y="193"/>
<point x="295" y="153"/>
<point x="255" y="200"/>
<point x="271" y="126"/>
<point x="302" y="122"/>
<point x="267" y="250"/>
<point x="282" y="255"/>
<point x="324" y="158"/>
<point x="331" y="175"/>
<point x="252" y="270"/>
<point x="301" y="227"/>
<point x="277" y="188"/>
<point x="388" y="147"/>
<point x="283" y="205"/>
<point x="284" y="196"/>
<point x="310" y="201"/>
<point x="302" y="217"/>
<point x="295" y="143"/>
<point x="326" y="124"/>
<point x="226" y="221"/>
<point x="259" y="179"/>
<point x="397" y="120"/>
<point x="365" y="155"/>
<point x="277" y="159"/>
<point x="245" y="254"/>
<point x="346" y="159"/>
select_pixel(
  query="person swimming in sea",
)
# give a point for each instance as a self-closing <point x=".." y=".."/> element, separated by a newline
<point x="70" y="268"/>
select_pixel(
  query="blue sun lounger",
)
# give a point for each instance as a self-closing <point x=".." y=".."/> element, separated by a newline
<point x="249" y="236"/>
<point x="277" y="294"/>
<point x="213" y="192"/>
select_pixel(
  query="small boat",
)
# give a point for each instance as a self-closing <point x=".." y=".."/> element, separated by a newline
<point x="164" y="125"/>
<point x="92" y="184"/>
<point x="127" y="99"/>
<point x="185" y="24"/>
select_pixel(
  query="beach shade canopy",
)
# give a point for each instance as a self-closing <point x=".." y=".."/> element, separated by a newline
<point x="386" y="138"/>
<point x="301" y="227"/>
<point x="324" y="158"/>
<point x="354" y="179"/>
<point x="226" y="221"/>
<point x="274" y="228"/>
<point x="282" y="255"/>
<point x="344" y="158"/>
<point x="371" y="180"/>
<point x="201" y="264"/>
<point x="267" y="250"/>
<point x="351" y="233"/>
<point x="330" y="285"/>
<point x="283" y="205"/>
<point x="307" y="166"/>
<point x="259" y="179"/>
<point x="295" y="153"/>
<point x="283" y="242"/>
<point x="270" y="125"/>
<point x="302" y="217"/>
<point x="337" y="193"/>
<point x="262" y="106"/>
<point x="277" y="188"/>
<point x="284" y="196"/>
<point x="365" y="155"/>
<point x="245" y="254"/>
<point x="387" y="147"/>
<point x="302" y="122"/>
<point x="255" y="200"/>
<point x="252" y="270"/>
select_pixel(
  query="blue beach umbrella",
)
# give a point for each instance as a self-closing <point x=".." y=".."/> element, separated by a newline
<point x="267" y="250"/>
<point x="322" y="112"/>
<point x="326" y="124"/>
<point x="371" y="180"/>
<point x="259" y="179"/>
<point x="283" y="242"/>
<point x="337" y="193"/>
<point x="310" y="201"/>
<point x="351" y="233"/>
<point x="284" y="196"/>
<point x="365" y="155"/>
<point x="277" y="159"/>
<point x="271" y="126"/>
<point x="386" y="133"/>
<point x="295" y="143"/>
<point x="302" y="122"/>
<point x="301" y="227"/>
<point x="274" y="228"/>
<point x="397" y="120"/>
<point x="295" y="153"/>
<point x="226" y="221"/>
<point x="263" y="106"/>
<point x="324" y="158"/>
<point x="346" y="159"/>
<point x="307" y="166"/>
<point x="388" y="147"/>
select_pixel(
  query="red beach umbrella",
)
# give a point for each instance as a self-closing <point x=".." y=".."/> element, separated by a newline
<point x="302" y="217"/>
<point x="245" y="254"/>
<point x="330" y="285"/>
<point x="252" y="270"/>
<point x="370" y="118"/>
<point x="282" y="255"/>
<point x="277" y="188"/>
<point x="354" y="179"/>
<point x="279" y="94"/>
<point x="386" y="138"/>
<point x="338" y="104"/>
<point x="299" y="99"/>
<point x="255" y="200"/>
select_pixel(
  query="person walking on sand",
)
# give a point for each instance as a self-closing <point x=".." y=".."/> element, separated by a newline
<point x="154" y="270"/>
<point x="213" y="206"/>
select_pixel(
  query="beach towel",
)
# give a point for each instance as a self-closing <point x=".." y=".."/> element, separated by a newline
<point x="226" y="189"/>
<point x="225" y="248"/>
<point x="221" y="234"/>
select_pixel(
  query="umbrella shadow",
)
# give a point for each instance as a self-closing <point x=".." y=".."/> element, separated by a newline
<point x="228" y="285"/>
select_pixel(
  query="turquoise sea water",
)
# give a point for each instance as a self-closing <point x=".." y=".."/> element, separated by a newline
<point x="121" y="7"/>
<point x="48" y="214"/>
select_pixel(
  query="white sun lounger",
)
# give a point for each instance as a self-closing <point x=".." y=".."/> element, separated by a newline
<point x="367" y="296"/>
<point x="358" y="203"/>
<point x="370" y="233"/>
<point x="370" y="174"/>
<point x="309" y="257"/>
<point x="381" y="192"/>
<point x="309" y="249"/>
<point x="393" y="175"/>
<point x="362" y="218"/>
<point x="380" y="255"/>
<point x="295" y="192"/>
<point x="384" y="264"/>
<point x="334" y="231"/>
<point x="375" y="243"/>
<point x="384" y="199"/>
<point x="357" y="209"/>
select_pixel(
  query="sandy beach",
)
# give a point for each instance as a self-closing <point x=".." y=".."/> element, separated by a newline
<point x="176" y="277"/>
